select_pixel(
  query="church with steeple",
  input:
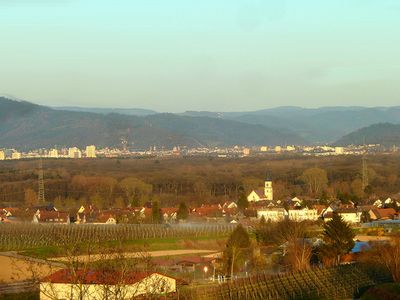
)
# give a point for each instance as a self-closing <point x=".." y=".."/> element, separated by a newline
<point x="266" y="194"/>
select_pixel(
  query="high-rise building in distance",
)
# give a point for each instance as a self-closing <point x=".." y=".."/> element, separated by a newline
<point x="74" y="152"/>
<point x="16" y="155"/>
<point x="91" y="151"/>
<point x="53" y="153"/>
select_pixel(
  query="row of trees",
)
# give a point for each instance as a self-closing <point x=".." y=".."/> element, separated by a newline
<point x="197" y="180"/>
<point x="296" y="241"/>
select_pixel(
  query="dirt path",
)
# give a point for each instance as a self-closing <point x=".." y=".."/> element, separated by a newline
<point x="371" y="238"/>
<point x="159" y="253"/>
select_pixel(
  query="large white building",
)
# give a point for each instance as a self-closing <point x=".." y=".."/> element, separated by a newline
<point x="303" y="214"/>
<point x="2" y="155"/>
<point x="275" y="214"/>
<point x="350" y="215"/>
<point x="263" y="194"/>
<point x="74" y="152"/>
<point x="91" y="151"/>
<point x="53" y="153"/>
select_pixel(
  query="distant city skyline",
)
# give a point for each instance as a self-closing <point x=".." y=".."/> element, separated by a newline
<point x="211" y="55"/>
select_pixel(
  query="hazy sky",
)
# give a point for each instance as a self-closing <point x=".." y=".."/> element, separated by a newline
<point x="176" y="55"/>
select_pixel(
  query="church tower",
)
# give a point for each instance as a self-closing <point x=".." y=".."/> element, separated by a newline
<point x="268" y="190"/>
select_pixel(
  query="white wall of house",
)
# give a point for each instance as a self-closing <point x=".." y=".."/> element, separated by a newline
<point x="153" y="284"/>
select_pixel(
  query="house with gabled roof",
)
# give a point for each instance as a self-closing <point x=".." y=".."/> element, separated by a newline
<point x="169" y="213"/>
<point x="378" y="203"/>
<point x="382" y="214"/>
<point x="229" y="204"/>
<point x="51" y="216"/>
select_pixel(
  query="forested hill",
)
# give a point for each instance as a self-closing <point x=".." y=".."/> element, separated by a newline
<point x="386" y="134"/>
<point x="317" y="125"/>
<point x="25" y="125"/>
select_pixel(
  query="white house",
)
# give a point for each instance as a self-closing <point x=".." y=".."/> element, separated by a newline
<point x="296" y="202"/>
<point x="272" y="214"/>
<point x="389" y="201"/>
<point x="229" y="204"/>
<point x="93" y="285"/>
<point x="303" y="214"/>
<point x="350" y="215"/>
<point x="260" y="195"/>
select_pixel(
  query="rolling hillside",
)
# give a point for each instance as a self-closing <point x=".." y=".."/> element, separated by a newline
<point x="386" y="134"/>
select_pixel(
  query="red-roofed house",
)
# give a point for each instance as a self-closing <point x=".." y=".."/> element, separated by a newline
<point x="105" y="218"/>
<point x="382" y="214"/>
<point x="91" y="285"/>
<point x="191" y="263"/>
<point x="207" y="211"/>
<point x="51" y="216"/>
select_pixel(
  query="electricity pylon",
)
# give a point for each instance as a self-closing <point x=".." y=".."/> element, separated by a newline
<point x="41" y="199"/>
<point x="364" y="171"/>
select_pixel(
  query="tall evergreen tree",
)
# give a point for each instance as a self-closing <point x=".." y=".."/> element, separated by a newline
<point x="242" y="202"/>
<point x="236" y="248"/>
<point x="338" y="238"/>
<point x="183" y="211"/>
<point x="156" y="213"/>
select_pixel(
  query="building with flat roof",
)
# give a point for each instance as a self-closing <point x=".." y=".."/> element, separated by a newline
<point x="74" y="152"/>
<point x="91" y="151"/>
<point x="16" y="155"/>
<point x="53" y="153"/>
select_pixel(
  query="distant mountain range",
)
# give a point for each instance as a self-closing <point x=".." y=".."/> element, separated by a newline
<point x="320" y="125"/>
<point x="97" y="110"/>
<point x="25" y="125"/>
<point x="314" y="125"/>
